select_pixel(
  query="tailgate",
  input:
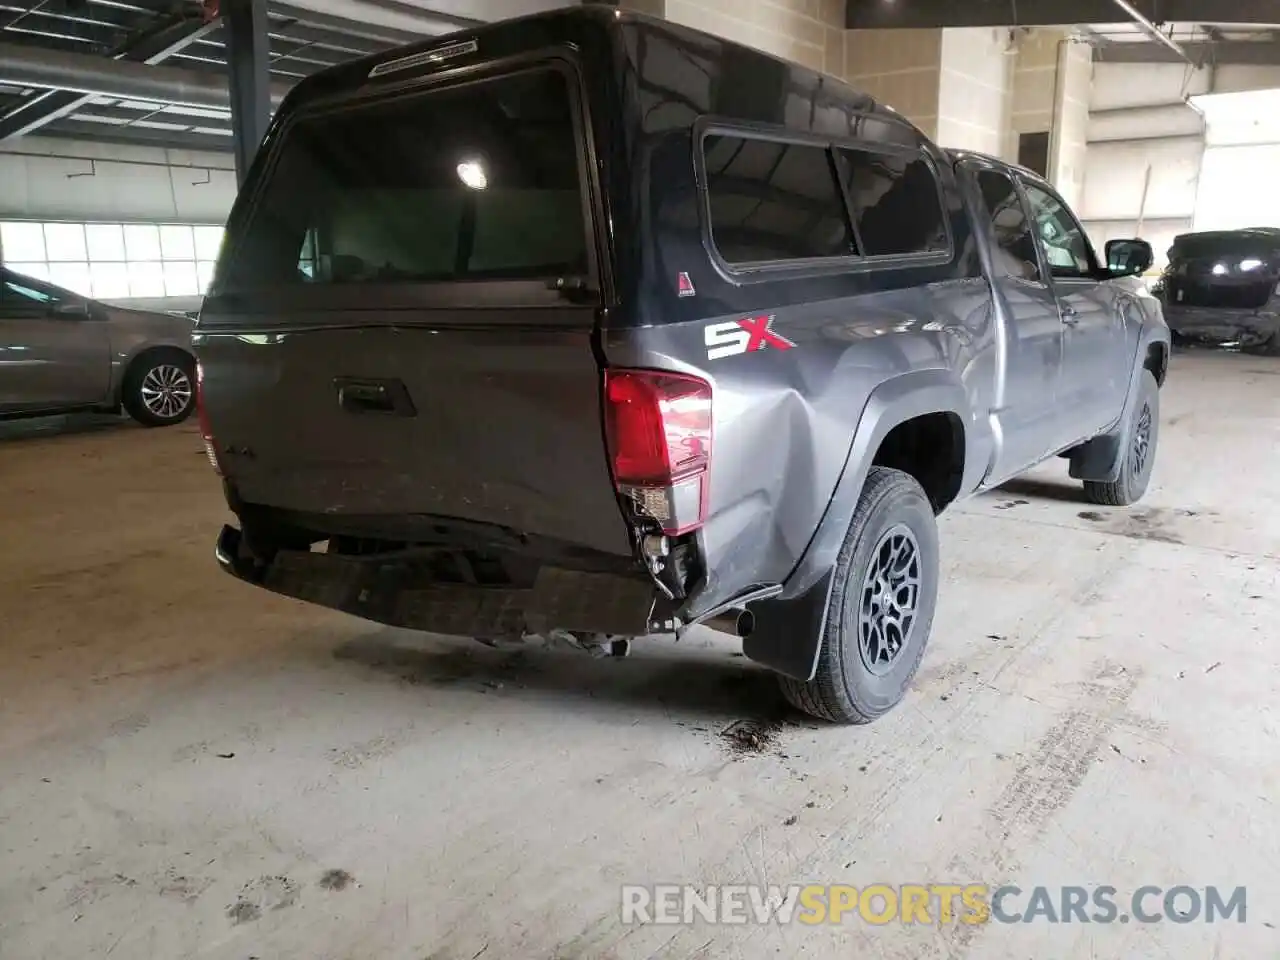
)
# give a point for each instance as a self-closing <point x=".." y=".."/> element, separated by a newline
<point x="491" y="426"/>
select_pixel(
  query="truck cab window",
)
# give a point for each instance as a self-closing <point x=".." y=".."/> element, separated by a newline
<point x="1015" y="246"/>
<point x="1066" y="247"/>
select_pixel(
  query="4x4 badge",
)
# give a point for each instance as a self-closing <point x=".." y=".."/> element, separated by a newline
<point x="684" y="286"/>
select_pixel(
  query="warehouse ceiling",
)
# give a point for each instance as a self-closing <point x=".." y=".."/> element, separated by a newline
<point x="1206" y="32"/>
<point x="65" y="41"/>
<point x="189" y="36"/>
<point x="868" y="14"/>
<point x="1202" y="43"/>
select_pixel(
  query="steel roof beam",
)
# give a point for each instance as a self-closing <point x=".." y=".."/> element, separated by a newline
<point x="876" y="14"/>
<point x="248" y="67"/>
<point x="329" y="39"/>
<point x="1223" y="53"/>
<point x="172" y="139"/>
<point x="149" y="47"/>
<point x="124" y="18"/>
<point x="355" y="28"/>
<point x="1151" y="30"/>
<point x="93" y="37"/>
<point x="287" y="41"/>
<point x="38" y="67"/>
<point x="115" y="115"/>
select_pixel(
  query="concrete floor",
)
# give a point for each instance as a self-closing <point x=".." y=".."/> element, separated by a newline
<point x="190" y="767"/>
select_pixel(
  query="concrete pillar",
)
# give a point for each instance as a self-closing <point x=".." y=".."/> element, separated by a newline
<point x="953" y="83"/>
<point x="1034" y="87"/>
<point x="1051" y="82"/>
<point x="902" y="68"/>
<point x="975" y="88"/>
<point x="976" y="69"/>
<point x="1069" y="140"/>
<point x="248" y="60"/>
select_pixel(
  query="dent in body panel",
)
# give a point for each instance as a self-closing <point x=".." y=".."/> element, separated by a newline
<point x="785" y="421"/>
<point x="967" y="190"/>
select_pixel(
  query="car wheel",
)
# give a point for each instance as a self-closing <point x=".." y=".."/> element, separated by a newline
<point x="1271" y="346"/>
<point x="882" y="604"/>
<point x="1139" y="457"/>
<point x="159" y="389"/>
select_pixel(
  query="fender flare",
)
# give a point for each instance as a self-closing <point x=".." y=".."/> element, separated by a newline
<point x="788" y="630"/>
<point x="1102" y="457"/>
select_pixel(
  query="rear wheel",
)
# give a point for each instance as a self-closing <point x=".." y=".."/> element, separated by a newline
<point x="159" y="389"/>
<point x="1139" y="457"/>
<point x="882" y="605"/>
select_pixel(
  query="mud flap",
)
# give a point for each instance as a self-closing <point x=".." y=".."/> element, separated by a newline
<point x="788" y="633"/>
<point x="1101" y="459"/>
<point x="789" y="629"/>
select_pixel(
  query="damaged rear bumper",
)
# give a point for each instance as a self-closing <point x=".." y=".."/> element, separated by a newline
<point x="400" y="593"/>
<point x="1248" y="328"/>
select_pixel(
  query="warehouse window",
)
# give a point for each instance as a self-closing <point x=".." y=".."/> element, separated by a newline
<point x="114" y="260"/>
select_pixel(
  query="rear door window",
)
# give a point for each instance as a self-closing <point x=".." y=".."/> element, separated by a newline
<point x="773" y="201"/>
<point x="896" y="201"/>
<point x="473" y="182"/>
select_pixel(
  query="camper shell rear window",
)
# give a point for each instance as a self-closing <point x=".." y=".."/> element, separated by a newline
<point x="471" y="182"/>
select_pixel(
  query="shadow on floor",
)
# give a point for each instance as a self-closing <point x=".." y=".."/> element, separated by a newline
<point x="65" y="425"/>
<point x="1069" y="491"/>
<point x="716" y="687"/>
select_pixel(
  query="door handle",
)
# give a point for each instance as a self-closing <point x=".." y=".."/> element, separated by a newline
<point x="1069" y="315"/>
<point x="374" y="396"/>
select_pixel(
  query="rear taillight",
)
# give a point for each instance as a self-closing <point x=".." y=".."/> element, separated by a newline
<point x="659" y="432"/>
<point x="206" y="432"/>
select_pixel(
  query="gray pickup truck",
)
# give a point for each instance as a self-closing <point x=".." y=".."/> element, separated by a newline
<point x="591" y="326"/>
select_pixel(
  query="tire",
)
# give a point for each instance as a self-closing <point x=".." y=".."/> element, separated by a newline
<point x="159" y="388"/>
<point x="853" y="685"/>
<point x="1140" y="455"/>
<point x="1270" y="347"/>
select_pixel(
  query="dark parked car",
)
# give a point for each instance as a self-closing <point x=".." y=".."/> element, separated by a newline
<point x="1224" y="287"/>
<point x="595" y="326"/>
<point x="61" y="352"/>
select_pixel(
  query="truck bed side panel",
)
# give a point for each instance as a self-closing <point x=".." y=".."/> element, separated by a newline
<point x="785" y="420"/>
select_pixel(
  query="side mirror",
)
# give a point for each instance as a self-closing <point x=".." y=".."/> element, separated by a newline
<point x="1129" y="258"/>
<point x="71" y="310"/>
